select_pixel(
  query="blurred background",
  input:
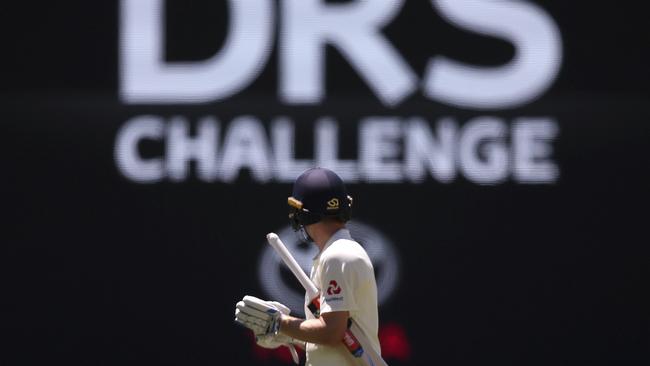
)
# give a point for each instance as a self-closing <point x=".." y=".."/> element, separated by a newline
<point x="497" y="153"/>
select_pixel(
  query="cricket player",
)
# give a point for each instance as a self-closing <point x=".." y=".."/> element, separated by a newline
<point x="319" y="209"/>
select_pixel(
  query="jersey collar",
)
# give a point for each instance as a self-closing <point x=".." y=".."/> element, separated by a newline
<point x="342" y="233"/>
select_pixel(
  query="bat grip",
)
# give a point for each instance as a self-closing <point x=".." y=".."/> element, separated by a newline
<point x="352" y="344"/>
<point x="349" y="340"/>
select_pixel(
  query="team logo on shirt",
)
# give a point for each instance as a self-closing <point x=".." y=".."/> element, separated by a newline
<point x="334" y="288"/>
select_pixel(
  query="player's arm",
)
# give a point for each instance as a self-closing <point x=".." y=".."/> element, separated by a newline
<point x="328" y="329"/>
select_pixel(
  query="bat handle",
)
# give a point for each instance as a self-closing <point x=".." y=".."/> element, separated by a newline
<point x="352" y="344"/>
<point x="349" y="340"/>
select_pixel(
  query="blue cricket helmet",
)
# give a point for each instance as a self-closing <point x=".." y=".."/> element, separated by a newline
<point x="318" y="193"/>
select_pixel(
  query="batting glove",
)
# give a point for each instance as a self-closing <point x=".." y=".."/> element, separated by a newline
<point x="262" y="317"/>
<point x="273" y="341"/>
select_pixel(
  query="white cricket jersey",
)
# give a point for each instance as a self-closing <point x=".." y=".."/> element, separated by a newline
<point x="346" y="279"/>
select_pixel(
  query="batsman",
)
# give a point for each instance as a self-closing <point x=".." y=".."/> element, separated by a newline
<point x="318" y="211"/>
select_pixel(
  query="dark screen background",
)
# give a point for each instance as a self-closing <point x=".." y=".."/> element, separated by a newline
<point x="99" y="270"/>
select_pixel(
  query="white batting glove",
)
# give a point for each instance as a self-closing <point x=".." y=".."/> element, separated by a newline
<point x="262" y="317"/>
<point x="273" y="341"/>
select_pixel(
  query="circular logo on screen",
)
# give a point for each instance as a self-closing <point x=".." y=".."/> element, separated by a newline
<point x="280" y="284"/>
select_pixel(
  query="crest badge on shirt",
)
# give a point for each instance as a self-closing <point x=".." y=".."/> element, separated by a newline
<point x="334" y="288"/>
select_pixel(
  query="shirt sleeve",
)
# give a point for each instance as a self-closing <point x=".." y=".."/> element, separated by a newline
<point x="339" y="280"/>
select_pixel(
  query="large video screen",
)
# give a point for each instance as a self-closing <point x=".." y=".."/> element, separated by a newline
<point x="496" y="152"/>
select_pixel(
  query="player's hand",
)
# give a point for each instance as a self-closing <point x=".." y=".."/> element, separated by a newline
<point x="262" y="317"/>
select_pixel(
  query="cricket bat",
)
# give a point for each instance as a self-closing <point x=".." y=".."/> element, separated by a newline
<point x="354" y="339"/>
